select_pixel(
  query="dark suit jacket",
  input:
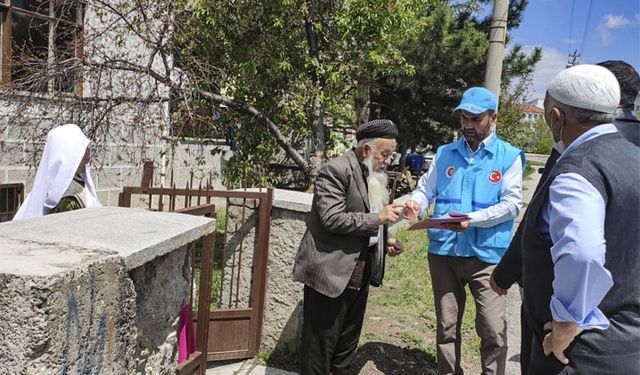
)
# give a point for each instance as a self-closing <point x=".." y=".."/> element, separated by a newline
<point x="509" y="270"/>
<point x="338" y="228"/>
<point x="628" y="125"/>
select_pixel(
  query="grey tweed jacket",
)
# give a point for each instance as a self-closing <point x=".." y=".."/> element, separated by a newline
<point x="338" y="229"/>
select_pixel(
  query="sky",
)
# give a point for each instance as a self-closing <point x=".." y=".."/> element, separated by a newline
<point x="612" y="33"/>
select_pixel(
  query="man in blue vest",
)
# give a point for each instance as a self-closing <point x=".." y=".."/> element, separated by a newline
<point x="479" y="175"/>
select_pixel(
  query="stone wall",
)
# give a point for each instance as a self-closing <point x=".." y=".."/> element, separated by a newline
<point x="94" y="291"/>
<point x="283" y="307"/>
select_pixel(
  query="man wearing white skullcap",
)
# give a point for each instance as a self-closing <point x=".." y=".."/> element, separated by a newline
<point x="63" y="181"/>
<point x="581" y="243"/>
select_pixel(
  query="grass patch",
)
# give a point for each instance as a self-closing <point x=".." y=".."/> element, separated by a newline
<point x="407" y="293"/>
<point x="216" y="278"/>
<point x="528" y="169"/>
<point x="282" y="358"/>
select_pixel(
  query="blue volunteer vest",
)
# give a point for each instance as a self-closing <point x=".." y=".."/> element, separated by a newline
<point x="470" y="186"/>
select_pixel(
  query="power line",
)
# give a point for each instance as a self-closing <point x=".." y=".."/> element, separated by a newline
<point x="586" y="28"/>
<point x="573" y="4"/>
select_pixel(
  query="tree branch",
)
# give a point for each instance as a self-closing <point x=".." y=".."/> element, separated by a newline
<point x="272" y="127"/>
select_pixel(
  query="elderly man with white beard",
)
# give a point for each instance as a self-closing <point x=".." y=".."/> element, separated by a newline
<point x="344" y="247"/>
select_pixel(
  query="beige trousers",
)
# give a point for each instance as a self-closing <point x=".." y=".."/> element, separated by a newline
<point x="449" y="275"/>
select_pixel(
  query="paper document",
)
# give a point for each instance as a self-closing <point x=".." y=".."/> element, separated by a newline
<point x="450" y="217"/>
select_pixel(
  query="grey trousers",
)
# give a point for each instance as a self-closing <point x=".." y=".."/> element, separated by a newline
<point x="449" y="276"/>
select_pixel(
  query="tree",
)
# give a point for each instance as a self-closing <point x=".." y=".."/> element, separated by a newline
<point x="258" y="69"/>
<point x="269" y="73"/>
<point x="449" y="57"/>
<point x="512" y="126"/>
<point x="302" y="63"/>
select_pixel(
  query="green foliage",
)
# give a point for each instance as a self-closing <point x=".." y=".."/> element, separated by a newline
<point x="511" y="125"/>
<point x="528" y="169"/>
<point x="449" y="56"/>
<point x="514" y="128"/>
<point x="258" y="52"/>
<point x="293" y="60"/>
<point x="216" y="278"/>
<point x="445" y="57"/>
<point x="543" y="137"/>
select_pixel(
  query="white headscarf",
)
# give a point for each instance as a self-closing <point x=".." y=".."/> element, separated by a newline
<point x="63" y="152"/>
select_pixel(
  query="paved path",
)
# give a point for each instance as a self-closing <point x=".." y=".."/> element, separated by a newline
<point x="243" y="368"/>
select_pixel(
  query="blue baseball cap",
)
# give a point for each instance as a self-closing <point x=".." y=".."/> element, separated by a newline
<point x="477" y="100"/>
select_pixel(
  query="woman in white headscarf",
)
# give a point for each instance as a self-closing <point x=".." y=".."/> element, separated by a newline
<point x="63" y="181"/>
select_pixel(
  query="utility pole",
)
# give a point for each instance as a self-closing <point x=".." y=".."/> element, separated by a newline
<point x="495" y="55"/>
<point x="572" y="59"/>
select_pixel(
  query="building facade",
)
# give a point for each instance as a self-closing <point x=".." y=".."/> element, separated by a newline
<point x="105" y="66"/>
<point x="533" y="110"/>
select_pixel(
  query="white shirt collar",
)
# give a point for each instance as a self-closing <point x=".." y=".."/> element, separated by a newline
<point x="590" y="134"/>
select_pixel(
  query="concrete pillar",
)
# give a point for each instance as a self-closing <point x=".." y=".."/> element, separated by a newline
<point x="94" y="291"/>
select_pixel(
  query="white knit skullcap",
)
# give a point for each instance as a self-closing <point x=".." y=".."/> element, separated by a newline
<point x="586" y="86"/>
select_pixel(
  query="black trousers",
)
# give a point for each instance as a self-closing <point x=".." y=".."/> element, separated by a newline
<point x="331" y="329"/>
<point x="525" y="343"/>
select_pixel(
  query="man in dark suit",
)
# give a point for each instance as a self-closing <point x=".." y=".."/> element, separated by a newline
<point x="509" y="270"/>
<point x="343" y="249"/>
<point x="626" y="123"/>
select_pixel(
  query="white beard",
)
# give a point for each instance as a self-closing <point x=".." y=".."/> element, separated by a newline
<point x="378" y="192"/>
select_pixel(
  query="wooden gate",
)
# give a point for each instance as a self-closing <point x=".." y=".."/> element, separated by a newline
<point x="234" y="323"/>
<point x="196" y="363"/>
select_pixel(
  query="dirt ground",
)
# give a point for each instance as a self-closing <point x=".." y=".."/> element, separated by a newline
<point x="391" y="346"/>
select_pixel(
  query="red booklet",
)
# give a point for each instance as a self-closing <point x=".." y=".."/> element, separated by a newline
<point x="450" y="217"/>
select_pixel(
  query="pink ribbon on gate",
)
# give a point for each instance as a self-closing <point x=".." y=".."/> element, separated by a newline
<point x="186" y="338"/>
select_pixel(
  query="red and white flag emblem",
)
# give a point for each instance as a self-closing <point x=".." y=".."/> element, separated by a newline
<point x="450" y="171"/>
<point x="495" y="176"/>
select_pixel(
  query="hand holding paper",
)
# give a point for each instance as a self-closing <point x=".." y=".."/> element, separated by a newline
<point x="390" y="213"/>
<point x="411" y="210"/>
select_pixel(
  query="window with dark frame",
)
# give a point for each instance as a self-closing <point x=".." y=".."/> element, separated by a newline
<point x="41" y="45"/>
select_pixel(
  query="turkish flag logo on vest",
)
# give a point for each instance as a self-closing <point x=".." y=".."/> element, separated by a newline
<point x="495" y="176"/>
<point x="450" y="171"/>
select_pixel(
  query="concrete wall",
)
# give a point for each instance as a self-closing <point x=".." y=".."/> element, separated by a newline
<point x="94" y="291"/>
<point x="283" y="307"/>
